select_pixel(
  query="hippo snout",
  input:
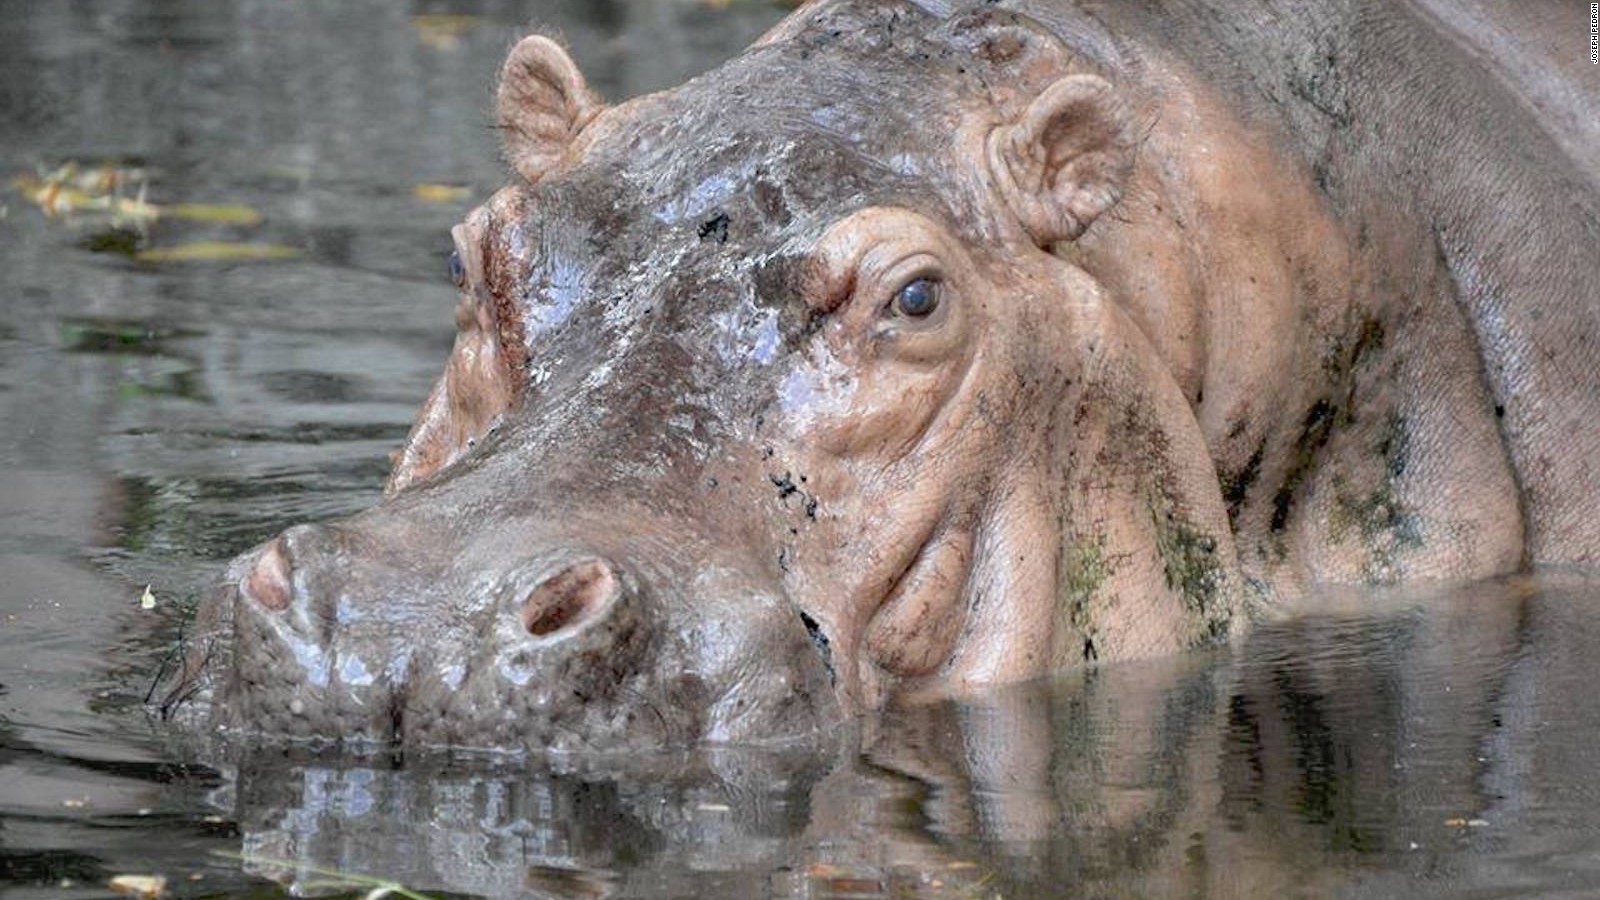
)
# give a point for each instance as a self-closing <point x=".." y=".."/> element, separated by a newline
<point x="333" y="634"/>
<point x="282" y="578"/>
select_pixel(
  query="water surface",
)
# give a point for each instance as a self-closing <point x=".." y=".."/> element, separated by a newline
<point x="157" y="417"/>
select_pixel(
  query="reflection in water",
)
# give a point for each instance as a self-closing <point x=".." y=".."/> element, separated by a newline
<point x="158" y="418"/>
<point x="1400" y="747"/>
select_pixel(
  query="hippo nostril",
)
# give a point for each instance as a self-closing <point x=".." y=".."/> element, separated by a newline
<point x="569" y="597"/>
<point x="268" y="582"/>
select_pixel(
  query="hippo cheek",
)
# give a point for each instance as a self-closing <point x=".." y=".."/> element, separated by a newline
<point x="916" y="630"/>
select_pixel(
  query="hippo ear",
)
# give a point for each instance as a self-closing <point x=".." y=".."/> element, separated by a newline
<point x="1066" y="159"/>
<point x="542" y="104"/>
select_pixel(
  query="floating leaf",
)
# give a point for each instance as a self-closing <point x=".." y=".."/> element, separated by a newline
<point x="145" y="887"/>
<point x="441" y="193"/>
<point x="443" y="31"/>
<point x="215" y="213"/>
<point x="216" y="251"/>
<point x="457" y="23"/>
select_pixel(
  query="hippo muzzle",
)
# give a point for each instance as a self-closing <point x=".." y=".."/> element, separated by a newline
<point x="324" y="635"/>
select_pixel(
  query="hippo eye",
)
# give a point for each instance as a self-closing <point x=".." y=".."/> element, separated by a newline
<point x="917" y="298"/>
<point x="458" y="269"/>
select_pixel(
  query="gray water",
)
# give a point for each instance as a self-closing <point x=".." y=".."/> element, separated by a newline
<point x="157" y="417"/>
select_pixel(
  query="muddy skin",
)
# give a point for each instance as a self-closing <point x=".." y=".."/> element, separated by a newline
<point x="919" y="349"/>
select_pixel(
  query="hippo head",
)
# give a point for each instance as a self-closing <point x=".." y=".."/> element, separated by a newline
<point x="768" y="403"/>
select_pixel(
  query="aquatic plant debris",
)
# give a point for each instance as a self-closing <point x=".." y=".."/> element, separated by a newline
<point x="145" y="887"/>
<point x="441" y="193"/>
<point x="443" y="31"/>
<point x="214" y="213"/>
<point x="216" y="251"/>
<point x="72" y="191"/>
<point x="332" y="879"/>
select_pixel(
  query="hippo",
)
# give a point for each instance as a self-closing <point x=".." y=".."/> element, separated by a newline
<point x="934" y="344"/>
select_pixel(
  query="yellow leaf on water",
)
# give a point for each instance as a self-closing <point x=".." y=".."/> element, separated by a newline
<point x="441" y="193"/>
<point x="216" y="251"/>
<point x="216" y="213"/>
<point x="454" y="22"/>
<point x="145" y="887"/>
<point x="443" y="32"/>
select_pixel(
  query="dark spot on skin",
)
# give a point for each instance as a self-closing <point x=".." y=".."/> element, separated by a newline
<point x="1394" y="445"/>
<point x="770" y="201"/>
<point x="715" y="228"/>
<point x="1379" y="517"/>
<point x="1369" y="341"/>
<point x="820" y="641"/>
<point x="785" y="485"/>
<point x="1314" y="434"/>
<point x="777" y="280"/>
<point x="787" y="488"/>
<point x="1341" y="359"/>
<point x="1085" y="569"/>
<point x="1234" y="489"/>
<point x="1188" y="559"/>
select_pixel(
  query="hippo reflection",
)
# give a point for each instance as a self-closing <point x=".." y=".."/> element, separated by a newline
<point x="1338" y="754"/>
<point x="922" y="348"/>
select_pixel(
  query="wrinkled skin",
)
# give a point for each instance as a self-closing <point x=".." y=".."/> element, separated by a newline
<point x="918" y="350"/>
